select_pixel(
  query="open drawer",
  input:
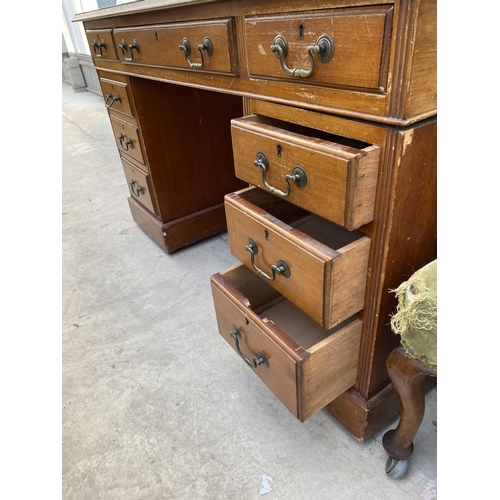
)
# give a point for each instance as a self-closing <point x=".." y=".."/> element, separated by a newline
<point x="305" y="365"/>
<point x="334" y="177"/>
<point x="317" y="265"/>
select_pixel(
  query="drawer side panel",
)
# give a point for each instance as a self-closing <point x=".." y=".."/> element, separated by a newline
<point x="349" y="280"/>
<point x="331" y="369"/>
<point x="364" y="188"/>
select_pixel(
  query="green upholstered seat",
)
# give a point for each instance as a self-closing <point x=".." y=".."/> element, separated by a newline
<point x="416" y="315"/>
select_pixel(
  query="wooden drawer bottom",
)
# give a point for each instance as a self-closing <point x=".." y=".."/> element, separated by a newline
<point x="305" y="365"/>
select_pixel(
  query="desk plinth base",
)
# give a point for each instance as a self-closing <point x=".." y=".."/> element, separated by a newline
<point x="176" y="234"/>
<point x="364" y="418"/>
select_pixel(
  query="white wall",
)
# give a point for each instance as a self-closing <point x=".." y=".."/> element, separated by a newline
<point x="73" y="33"/>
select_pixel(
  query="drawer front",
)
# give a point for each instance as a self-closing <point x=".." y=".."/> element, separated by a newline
<point x="101" y="44"/>
<point x="116" y="96"/>
<point x="138" y="184"/>
<point x="336" y="181"/>
<point x="127" y="139"/>
<point x="304" y="378"/>
<point x="352" y="45"/>
<point x="207" y="46"/>
<point x="318" y="266"/>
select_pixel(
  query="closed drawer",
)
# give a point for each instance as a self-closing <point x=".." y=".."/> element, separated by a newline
<point x="116" y="96"/>
<point x="305" y="365"/>
<point x="127" y="139"/>
<point x="138" y="184"/>
<point x="101" y="44"/>
<point x="317" y="265"/>
<point x="330" y="176"/>
<point x="160" y="46"/>
<point x="353" y="47"/>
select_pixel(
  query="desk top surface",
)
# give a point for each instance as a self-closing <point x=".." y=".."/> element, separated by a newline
<point x="137" y="6"/>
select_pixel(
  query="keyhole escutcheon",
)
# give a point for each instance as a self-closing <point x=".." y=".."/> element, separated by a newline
<point x="301" y="31"/>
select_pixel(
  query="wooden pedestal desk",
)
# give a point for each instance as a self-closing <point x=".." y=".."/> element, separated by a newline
<point x="309" y="130"/>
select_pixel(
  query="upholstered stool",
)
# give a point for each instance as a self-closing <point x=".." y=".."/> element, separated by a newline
<point x="410" y="364"/>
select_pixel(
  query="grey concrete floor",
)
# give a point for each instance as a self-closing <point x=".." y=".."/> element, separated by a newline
<point x="155" y="404"/>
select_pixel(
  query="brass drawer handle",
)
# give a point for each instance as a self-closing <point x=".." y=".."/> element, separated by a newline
<point x="125" y="143"/>
<point x="133" y="46"/>
<point x="260" y="359"/>
<point x="281" y="268"/>
<point x="98" y="46"/>
<point x="206" y="46"/>
<point x="323" y="49"/>
<point x="109" y="96"/>
<point x="298" y="176"/>
<point x="135" y="190"/>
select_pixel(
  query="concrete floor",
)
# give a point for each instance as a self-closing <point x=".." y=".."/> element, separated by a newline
<point x="155" y="404"/>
